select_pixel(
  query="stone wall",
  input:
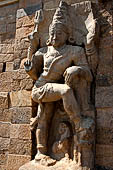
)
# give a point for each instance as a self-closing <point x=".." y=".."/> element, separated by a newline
<point x="16" y="106"/>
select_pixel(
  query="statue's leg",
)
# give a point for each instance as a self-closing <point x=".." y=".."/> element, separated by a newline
<point x="42" y="129"/>
<point x="52" y="92"/>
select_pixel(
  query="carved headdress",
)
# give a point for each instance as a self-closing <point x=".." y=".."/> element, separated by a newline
<point x="61" y="20"/>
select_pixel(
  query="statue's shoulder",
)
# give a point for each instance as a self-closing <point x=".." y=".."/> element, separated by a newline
<point x="41" y="51"/>
<point x="74" y="49"/>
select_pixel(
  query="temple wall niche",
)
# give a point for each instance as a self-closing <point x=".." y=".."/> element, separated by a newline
<point x="16" y="106"/>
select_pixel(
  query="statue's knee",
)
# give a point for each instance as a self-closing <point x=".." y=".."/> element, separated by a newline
<point x="34" y="96"/>
<point x="67" y="90"/>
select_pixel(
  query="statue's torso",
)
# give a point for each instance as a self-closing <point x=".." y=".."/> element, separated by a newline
<point x="55" y="64"/>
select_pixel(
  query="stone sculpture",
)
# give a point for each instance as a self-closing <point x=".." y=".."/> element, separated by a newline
<point x="62" y="72"/>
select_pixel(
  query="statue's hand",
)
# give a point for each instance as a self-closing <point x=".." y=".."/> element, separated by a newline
<point x="70" y="73"/>
<point x="28" y="65"/>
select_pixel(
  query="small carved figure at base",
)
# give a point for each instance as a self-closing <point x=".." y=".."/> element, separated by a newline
<point x="61" y="148"/>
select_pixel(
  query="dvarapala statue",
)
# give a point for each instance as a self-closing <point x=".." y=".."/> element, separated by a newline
<point x="54" y="68"/>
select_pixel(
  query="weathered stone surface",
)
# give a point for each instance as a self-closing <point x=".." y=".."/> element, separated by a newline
<point x="20" y="146"/>
<point x="11" y="27"/>
<point x="105" y="118"/>
<point x="5" y="76"/>
<point x="21" y="98"/>
<point x="9" y="66"/>
<point x="14" y="81"/>
<point x="5" y="115"/>
<point x="4" y="100"/>
<point x="15" y="161"/>
<point x="18" y="131"/>
<point x="3" y="167"/>
<point x="21" y="115"/>
<point x="7" y="48"/>
<point x="1" y="67"/>
<point x="104" y="97"/>
<point x="3" y="158"/>
<point x="104" y="155"/>
<point x="5" y="130"/>
<point x="6" y="2"/>
<point x="4" y="144"/>
<point x="25" y="21"/>
<point x="6" y="10"/>
<point x="104" y="136"/>
<point x="6" y="57"/>
<point x="26" y="84"/>
<point x="23" y="32"/>
<point x="3" y="29"/>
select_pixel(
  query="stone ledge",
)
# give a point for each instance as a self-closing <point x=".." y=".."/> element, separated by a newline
<point x="6" y="2"/>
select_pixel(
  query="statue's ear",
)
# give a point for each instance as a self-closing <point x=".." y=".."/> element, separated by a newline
<point x="71" y="40"/>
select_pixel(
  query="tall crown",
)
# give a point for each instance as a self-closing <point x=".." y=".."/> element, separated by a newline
<point x="61" y="16"/>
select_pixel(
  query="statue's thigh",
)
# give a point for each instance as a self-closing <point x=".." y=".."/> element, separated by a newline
<point x="53" y="92"/>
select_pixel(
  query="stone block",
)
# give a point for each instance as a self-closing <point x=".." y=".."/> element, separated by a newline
<point x="9" y="66"/>
<point x="5" y="86"/>
<point x="3" y="158"/>
<point x="5" y="115"/>
<point x="16" y="161"/>
<point x="6" y="57"/>
<point x="3" y="29"/>
<point x="11" y="18"/>
<point x="104" y="118"/>
<point x="8" y="38"/>
<point x="6" y="76"/>
<point x="26" y="84"/>
<point x="19" y="74"/>
<point x="4" y="144"/>
<point x="23" y="32"/>
<point x="21" y="98"/>
<point x="104" y="155"/>
<point x="25" y="21"/>
<point x="3" y="167"/>
<point x="15" y="85"/>
<point x="11" y="27"/>
<point x="5" y="130"/>
<point x="18" y="131"/>
<point x="104" y="136"/>
<point x="1" y="67"/>
<point x="7" y="48"/>
<point x="4" y="100"/>
<point x="21" y="45"/>
<point x="21" y="115"/>
<point x="104" y="97"/>
<point x="20" y="147"/>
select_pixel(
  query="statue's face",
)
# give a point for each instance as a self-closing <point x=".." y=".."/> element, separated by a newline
<point x="62" y="128"/>
<point x="57" y="37"/>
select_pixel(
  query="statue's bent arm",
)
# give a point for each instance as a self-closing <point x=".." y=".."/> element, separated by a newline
<point x="81" y="63"/>
<point x="35" y="66"/>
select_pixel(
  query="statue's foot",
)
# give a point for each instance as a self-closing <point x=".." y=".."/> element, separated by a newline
<point x="38" y="157"/>
<point x="44" y="160"/>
